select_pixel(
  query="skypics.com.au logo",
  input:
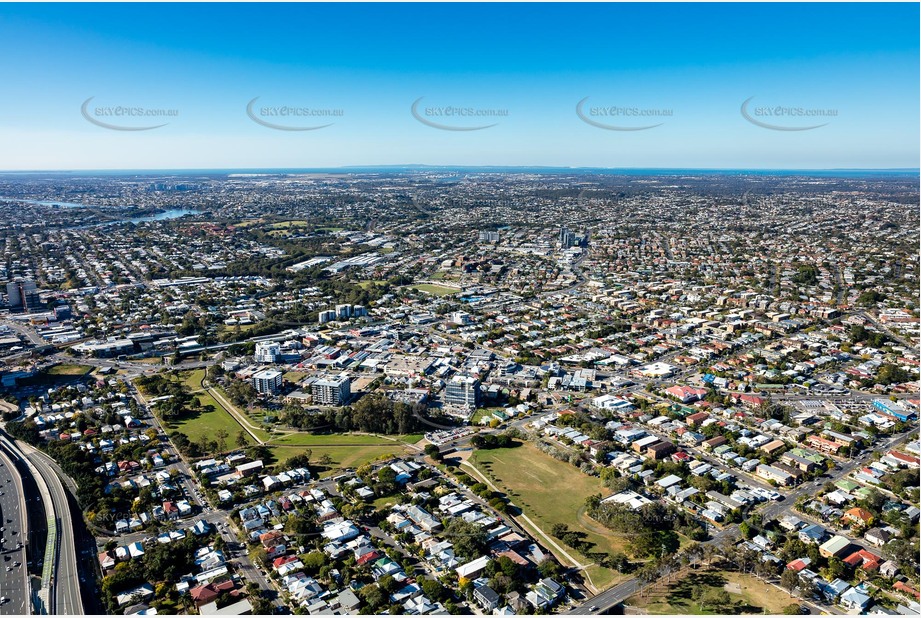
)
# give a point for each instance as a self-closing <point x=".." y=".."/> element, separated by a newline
<point x="121" y="117"/>
<point x="279" y="114"/>
<point x="455" y="118"/>
<point x="593" y="115"/>
<point x="780" y="114"/>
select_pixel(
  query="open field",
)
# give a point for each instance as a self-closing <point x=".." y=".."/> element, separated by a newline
<point x="281" y="225"/>
<point x="208" y="422"/>
<point x="549" y="492"/>
<point x="69" y="370"/>
<point x="192" y="379"/>
<point x="341" y="456"/>
<point x="435" y="290"/>
<point x="295" y="376"/>
<point x="342" y="439"/>
<point x="747" y="595"/>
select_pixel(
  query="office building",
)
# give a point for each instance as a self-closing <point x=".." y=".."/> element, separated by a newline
<point x="463" y="391"/>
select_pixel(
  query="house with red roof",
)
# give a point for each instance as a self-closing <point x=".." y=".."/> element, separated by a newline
<point x="686" y="394"/>
<point x="858" y="515"/>
<point x="752" y="401"/>
<point x="209" y="592"/>
<point x="799" y="564"/>
<point x="866" y="560"/>
<point x="906" y="589"/>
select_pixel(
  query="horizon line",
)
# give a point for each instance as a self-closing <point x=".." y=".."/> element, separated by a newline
<point x="422" y="166"/>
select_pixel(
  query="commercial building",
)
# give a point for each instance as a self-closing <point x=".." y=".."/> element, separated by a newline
<point x="332" y="391"/>
<point x="463" y="391"/>
<point x="22" y="295"/>
<point x="268" y="381"/>
<point x="267" y="351"/>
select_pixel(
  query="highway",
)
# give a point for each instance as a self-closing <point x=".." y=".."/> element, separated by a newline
<point x="66" y="597"/>
<point x="66" y="587"/>
<point x="14" y="575"/>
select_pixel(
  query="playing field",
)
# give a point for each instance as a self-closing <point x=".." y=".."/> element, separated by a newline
<point x="69" y="370"/>
<point x="549" y="492"/>
<point x="435" y="290"/>
<point x="747" y="595"/>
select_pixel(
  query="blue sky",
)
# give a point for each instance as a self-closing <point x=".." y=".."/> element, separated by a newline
<point x="855" y="64"/>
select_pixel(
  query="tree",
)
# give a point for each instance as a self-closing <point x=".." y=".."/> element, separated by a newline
<point x="433" y="589"/>
<point x="221" y="435"/>
<point x="789" y="580"/>
<point x="241" y="439"/>
<point x="791" y="610"/>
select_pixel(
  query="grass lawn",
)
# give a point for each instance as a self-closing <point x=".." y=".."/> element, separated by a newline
<point x="151" y="360"/>
<point x="383" y="502"/>
<point x="481" y="413"/>
<point x="192" y="379"/>
<point x="69" y="370"/>
<point x="343" y="439"/>
<point x="747" y="594"/>
<point x="294" y="376"/>
<point x="369" y="282"/>
<point x="344" y="449"/>
<point x="549" y="492"/>
<point x="435" y="290"/>
<point x="209" y="421"/>
<point x="341" y="456"/>
<point x="281" y="225"/>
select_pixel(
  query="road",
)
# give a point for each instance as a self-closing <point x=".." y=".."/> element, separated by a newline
<point x="66" y="594"/>
<point x="14" y="575"/>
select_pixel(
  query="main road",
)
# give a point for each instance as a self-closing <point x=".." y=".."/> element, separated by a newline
<point x="14" y="534"/>
<point x="66" y="596"/>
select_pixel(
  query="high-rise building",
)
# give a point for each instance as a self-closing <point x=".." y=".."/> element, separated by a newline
<point x="267" y="351"/>
<point x="567" y="237"/>
<point x="489" y="236"/>
<point x="463" y="391"/>
<point x="22" y="295"/>
<point x="332" y="391"/>
<point x="343" y="312"/>
<point x="268" y="381"/>
<point x="326" y="316"/>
